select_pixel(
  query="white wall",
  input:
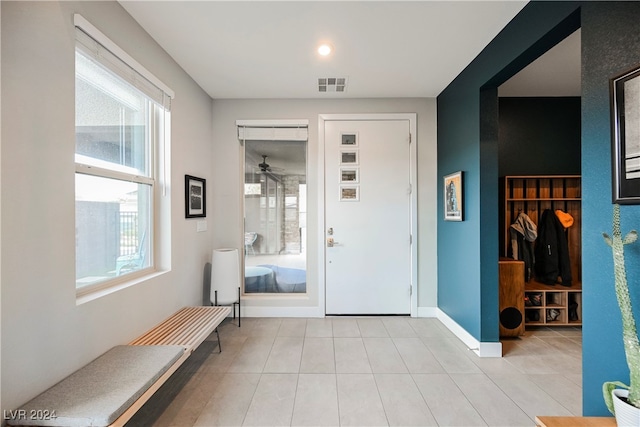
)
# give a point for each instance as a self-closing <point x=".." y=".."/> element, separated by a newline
<point x="227" y="186"/>
<point x="45" y="334"/>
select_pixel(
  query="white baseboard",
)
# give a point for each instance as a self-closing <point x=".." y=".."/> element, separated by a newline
<point x="265" y="311"/>
<point x="482" y="349"/>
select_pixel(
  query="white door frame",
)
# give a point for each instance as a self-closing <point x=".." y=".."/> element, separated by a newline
<point x="412" y="118"/>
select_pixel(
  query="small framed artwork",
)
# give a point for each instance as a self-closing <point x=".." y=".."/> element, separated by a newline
<point x="349" y="193"/>
<point x="625" y="140"/>
<point x="195" y="197"/>
<point x="349" y="157"/>
<point x="349" y="138"/>
<point x="453" y="197"/>
<point x="349" y="175"/>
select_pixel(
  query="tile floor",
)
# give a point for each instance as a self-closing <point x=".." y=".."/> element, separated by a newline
<point x="371" y="372"/>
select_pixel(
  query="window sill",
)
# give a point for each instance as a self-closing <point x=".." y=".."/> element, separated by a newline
<point x="107" y="290"/>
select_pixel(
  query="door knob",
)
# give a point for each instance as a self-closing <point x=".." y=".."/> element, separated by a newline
<point x="331" y="243"/>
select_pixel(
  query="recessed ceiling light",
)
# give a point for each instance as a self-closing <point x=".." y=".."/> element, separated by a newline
<point x="324" y="49"/>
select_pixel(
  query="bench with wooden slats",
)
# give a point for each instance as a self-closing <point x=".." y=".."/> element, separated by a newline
<point x="188" y="327"/>
<point x="113" y="387"/>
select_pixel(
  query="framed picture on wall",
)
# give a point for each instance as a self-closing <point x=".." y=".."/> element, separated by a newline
<point x="195" y="197"/>
<point x="625" y="140"/>
<point x="453" y="197"/>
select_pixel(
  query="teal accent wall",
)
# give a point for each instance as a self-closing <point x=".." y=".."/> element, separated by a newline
<point x="610" y="45"/>
<point x="467" y="140"/>
<point x="467" y="252"/>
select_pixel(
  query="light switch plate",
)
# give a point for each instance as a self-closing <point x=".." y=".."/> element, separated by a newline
<point x="201" y="226"/>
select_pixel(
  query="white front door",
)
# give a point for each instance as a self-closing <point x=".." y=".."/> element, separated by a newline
<point x="367" y="217"/>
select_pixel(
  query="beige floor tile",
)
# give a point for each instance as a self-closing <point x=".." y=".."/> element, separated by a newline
<point x="272" y="403"/>
<point x="185" y="408"/>
<point x="383" y="356"/>
<point x="292" y="328"/>
<point x="359" y="402"/>
<point x="533" y="364"/>
<point x="253" y="355"/>
<point x="564" y="345"/>
<point x="494" y="365"/>
<point x="453" y="358"/>
<point x="319" y="328"/>
<point x="351" y="356"/>
<point x="346" y="328"/>
<point x="398" y="327"/>
<point x="416" y="356"/>
<point x="575" y="379"/>
<point x="230" y="402"/>
<point x="458" y="387"/>
<point x="428" y="327"/>
<point x="493" y="404"/>
<point x="562" y="389"/>
<point x="403" y="404"/>
<point x="220" y="362"/>
<point x="528" y="396"/>
<point x="318" y="356"/>
<point x="285" y="355"/>
<point x="266" y="328"/>
<point x="316" y="401"/>
<point x="441" y="393"/>
<point x="372" y="327"/>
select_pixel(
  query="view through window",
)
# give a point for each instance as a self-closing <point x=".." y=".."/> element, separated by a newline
<point x="119" y="128"/>
<point x="275" y="200"/>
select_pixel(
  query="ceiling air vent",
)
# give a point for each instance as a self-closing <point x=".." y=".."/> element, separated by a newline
<point x="332" y="84"/>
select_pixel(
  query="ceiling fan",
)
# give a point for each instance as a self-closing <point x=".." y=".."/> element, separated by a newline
<point x="265" y="167"/>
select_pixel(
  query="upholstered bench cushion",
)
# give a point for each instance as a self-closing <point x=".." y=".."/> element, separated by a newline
<point x="101" y="391"/>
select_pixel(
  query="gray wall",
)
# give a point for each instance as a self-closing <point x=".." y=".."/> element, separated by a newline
<point x="227" y="184"/>
<point x="46" y="335"/>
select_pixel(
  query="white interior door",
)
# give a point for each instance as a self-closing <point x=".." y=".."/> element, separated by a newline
<point x="367" y="217"/>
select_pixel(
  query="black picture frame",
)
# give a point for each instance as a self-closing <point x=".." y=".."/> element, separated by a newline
<point x="625" y="137"/>
<point x="195" y="197"/>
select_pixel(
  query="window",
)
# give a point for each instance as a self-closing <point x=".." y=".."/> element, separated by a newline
<point x="120" y="129"/>
<point x="275" y="206"/>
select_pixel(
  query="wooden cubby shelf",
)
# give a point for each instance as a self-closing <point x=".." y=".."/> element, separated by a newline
<point x="556" y="297"/>
<point x="532" y="195"/>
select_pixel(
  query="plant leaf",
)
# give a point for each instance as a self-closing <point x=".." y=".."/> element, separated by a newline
<point x="607" y="388"/>
<point x="631" y="237"/>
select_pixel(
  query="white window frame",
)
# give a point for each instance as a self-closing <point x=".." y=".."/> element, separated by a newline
<point x="158" y="164"/>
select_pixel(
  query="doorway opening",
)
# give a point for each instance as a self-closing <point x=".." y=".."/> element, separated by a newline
<point x="539" y="165"/>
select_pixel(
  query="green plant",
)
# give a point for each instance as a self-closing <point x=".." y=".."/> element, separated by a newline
<point x="629" y="331"/>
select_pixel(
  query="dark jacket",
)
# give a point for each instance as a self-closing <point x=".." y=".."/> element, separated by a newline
<point x="552" y="251"/>
<point x="523" y="233"/>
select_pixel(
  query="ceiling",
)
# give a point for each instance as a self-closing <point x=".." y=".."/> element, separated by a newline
<point x="556" y="73"/>
<point x="267" y="49"/>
